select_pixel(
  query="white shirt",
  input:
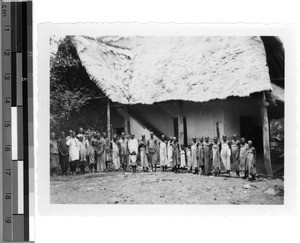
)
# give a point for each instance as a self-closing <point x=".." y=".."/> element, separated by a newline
<point x="74" y="147"/>
<point x="133" y="145"/>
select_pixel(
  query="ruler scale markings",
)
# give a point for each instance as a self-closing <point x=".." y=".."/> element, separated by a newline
<point x="20" y="132"/>
<point x="6" y="129"/>
<point x="13" y="79"/>
<point x="18" y="121"/>
<point x="14" y="133"/>
<point x="25" y="123"/>
<point x="20" y="187"/>
<point x="15" y="186"/>
<point x="19" y="79"/>
<point x="30" y="120"/>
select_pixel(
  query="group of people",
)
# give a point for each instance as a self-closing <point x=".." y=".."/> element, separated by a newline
<point x="201" y="157"/>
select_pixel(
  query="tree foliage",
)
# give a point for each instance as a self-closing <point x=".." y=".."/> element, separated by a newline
<point x="72" y="93"/>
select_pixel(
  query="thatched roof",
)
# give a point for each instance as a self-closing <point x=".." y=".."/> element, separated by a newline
<point x="147" y="69"/>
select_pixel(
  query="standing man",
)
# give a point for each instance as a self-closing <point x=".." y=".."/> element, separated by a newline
<point x="123" y="151"/>
<point x="225" y="154"/>
<point x="102" y="154"/>
<point x="206" y="156"/>
<point x="70" y="134"/>
<point x="54" y="157"/>
<point x="115" y="152"/>
<point x="133" y="147"/>
<point x="235" y="153"/>
<point x="143" y="153"/>
<point x="152" y="150"/>
<point x="80" y="132"/>
<point x="163" y="153"/>
<point x="106" y="149"/>
<point x="170" y="152"/>
<point x="200" y="155"/>
<point x="98" y="151"/>
<point x="73" y="144"/>
<point x="91" y="153"/>
<point x="176" y="153"/>
<point x="251" y="162"/>
<point x="194" y="162"/>
<point x="216" y="160"/>
<point x="63" y="153"/>
<point x="243" y="155"/>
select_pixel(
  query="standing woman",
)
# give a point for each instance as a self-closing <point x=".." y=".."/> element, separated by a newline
<point x="216" y="159"/>
<point x="243" y="155"/>
<point x="170" y="152"/>
<point x="235" y="153"/>
<point x="225" y="154"/>
<point x="163" y="153"/>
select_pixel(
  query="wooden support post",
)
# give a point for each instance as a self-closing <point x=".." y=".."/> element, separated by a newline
<point x="266" y="134"/>
<point x="126" y="121"/>
<point x="180" y="124"/>
<point x="108" y="121"/>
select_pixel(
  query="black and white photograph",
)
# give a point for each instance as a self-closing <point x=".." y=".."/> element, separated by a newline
<point x="149" y="119"/>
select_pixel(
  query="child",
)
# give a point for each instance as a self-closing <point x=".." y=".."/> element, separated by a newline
<point x="182" y="158"/>
<point x="251" y="162"/>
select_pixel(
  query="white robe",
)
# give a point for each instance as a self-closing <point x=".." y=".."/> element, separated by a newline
<point x="133" y="146"/>
<point x="170" y="153"/>
<point x="163" y="154"/>
<point x="115" y="155"/>
<point x="74" y="146"/>
<point x="225" y="155"/>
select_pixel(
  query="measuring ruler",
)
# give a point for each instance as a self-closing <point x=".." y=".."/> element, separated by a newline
<point x="17" y="116"/>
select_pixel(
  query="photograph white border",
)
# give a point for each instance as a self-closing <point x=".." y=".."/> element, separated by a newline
<point x="42" y="111"/>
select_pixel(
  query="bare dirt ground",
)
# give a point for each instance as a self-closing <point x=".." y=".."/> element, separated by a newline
<point x="163" y="188"/>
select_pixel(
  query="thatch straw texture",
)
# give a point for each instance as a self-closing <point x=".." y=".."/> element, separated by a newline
<point x="147" y="69"/>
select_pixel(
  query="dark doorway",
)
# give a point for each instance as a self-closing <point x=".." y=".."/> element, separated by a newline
<point x="175" y="125"/>
<point x="185" y="131"/>
<point x="251" y="131"/>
